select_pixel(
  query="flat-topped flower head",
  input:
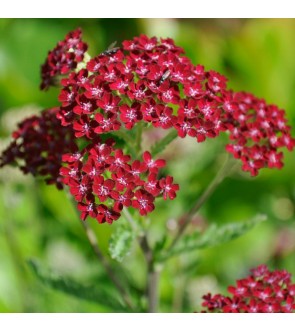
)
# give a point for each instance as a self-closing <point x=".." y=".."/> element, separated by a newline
<point x="258" y="132"/>
<point x="104" y="180"/>
<point x="150" y="81"/>
<point x="262" y="291"/>
<point x="144" y="83"/>
<point x="63" y="58"/>
<point x="38" y="146"/>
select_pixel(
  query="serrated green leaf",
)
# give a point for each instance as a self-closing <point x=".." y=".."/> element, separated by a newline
<point x="213" y="236"/>
<point x="73" y="288"/>
<point x="121" y="242"/>
<point x="161" y="145"/>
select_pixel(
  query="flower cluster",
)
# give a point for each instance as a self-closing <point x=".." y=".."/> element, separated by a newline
<point x="38" y="146"/>
<point x="150" y="81"/>
<point x="145" y="80"/>
<point x="103" y="180"/>
<point x="261" y="292"/>
<point x="63" y="58"/>
<point x="258" y="130"/>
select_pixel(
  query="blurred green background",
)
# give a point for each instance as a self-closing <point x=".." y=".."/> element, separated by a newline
<point x="37" y="221"/>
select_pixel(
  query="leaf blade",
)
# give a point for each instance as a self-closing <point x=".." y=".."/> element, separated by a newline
<point x="121" y="242"/>
<point x="213" y="236"/>
<point x="71" y="287"/>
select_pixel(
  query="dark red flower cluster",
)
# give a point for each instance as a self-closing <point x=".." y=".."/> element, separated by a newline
<point x="261" y="292"/>
<point x="258" y="131"/>
<point x="63" y="58"/>
<point x="151" y="81"/>
<point x="146" y="80"/>
<point x="38" y="146"/>
<point x="102" y="174"/>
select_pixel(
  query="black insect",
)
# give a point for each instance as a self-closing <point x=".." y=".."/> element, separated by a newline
<point x="164" y="76"/>
<point x="111" y="49"/>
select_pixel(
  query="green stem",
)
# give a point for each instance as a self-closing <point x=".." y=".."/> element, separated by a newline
<point x="153" y="289"/>
<point x="123" y="134"/>
<point x="220" y="176"/>
<point x="94" y="244"/>
<point x="138" y="139"/>
<point x="179" y="290"/>
<point x="153" y="274"/>
<point x="130" y="219"/>
<point x="161" y="145"/>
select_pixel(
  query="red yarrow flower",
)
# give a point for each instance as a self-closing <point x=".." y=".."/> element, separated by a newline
<point x="261" y="292"/>
<point x="39" y="145"/>
<point x="100" y="173"/>
<point x="151" y="81"/>
<point x="258" y="131"/>
<point x="63" y="58"/>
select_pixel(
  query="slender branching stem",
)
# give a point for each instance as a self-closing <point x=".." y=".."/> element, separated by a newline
<point x="138" y="139"/>
<point x="130" y="219"/>
<point x="94" y="244"/>
<point x="153" y="274"/>
<point x="220" y="176"/>
<point x="165" y="141"/>
<point x="104" y="262"/>
<point x="153" y="290"/>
